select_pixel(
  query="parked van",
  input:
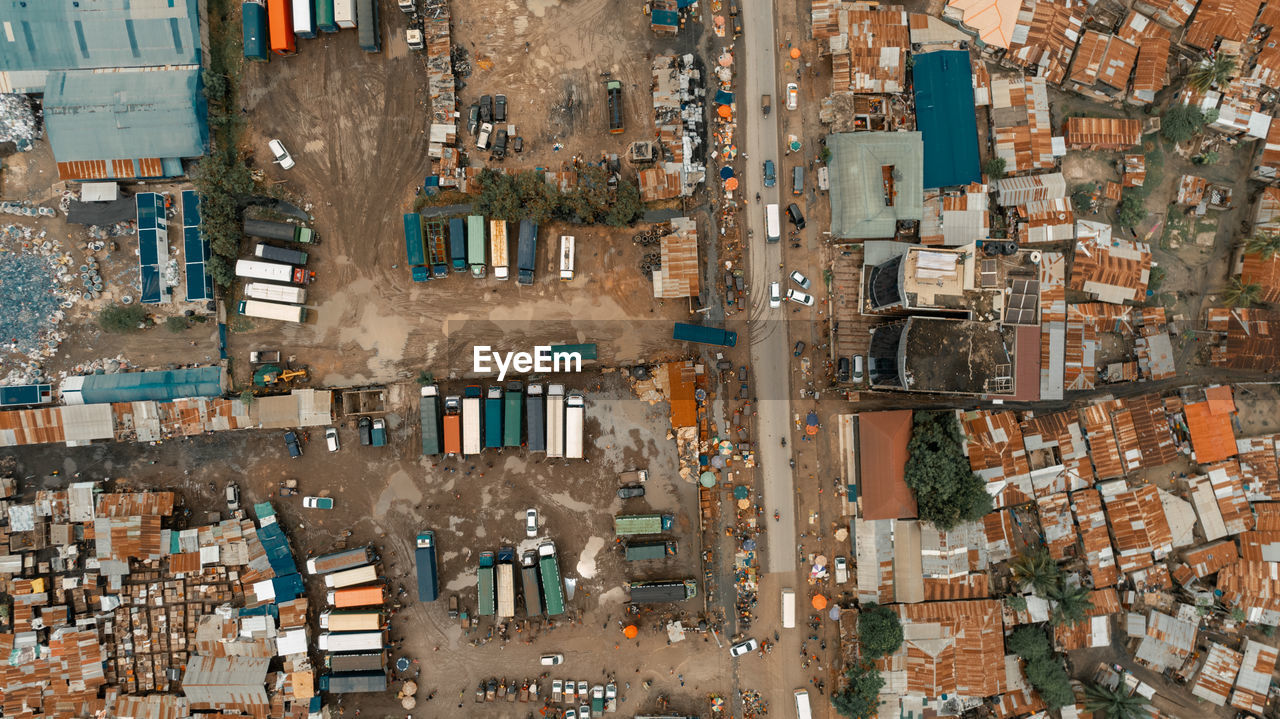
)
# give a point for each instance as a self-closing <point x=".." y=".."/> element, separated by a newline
<point x="788" y="609"/>
<point x="803" y="711"/>
<point x="797" y="180"/>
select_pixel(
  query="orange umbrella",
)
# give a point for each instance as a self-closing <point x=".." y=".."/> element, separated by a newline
<point x="724" y="111"/>
<point x="731" y="184"/>
<point x="630" y="631"/>
<point x="819" y="601"/>
<point x="795" y="53"/>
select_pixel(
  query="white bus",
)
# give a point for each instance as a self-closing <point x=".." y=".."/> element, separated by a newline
<point x="575" y="411"/>
<point x="351" y="621"/>
<point x="772" y="230"/>
<point x="367" y="574"/>
<point x="802" y="705"/>
<point x="788" y="609"/>
<point x="256" y="270"/>
<point x="498" y="247"/>
<point x="566" y="257"/>
<point x="351" y="642"/>
<point x="272" y="311"/>
<point x="555" y="420"/>
<point x="275" y="293"/>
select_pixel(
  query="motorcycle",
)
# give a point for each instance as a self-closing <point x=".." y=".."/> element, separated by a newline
<point x="793" y="464"/>
<point x="784" y="441"/>
<point x="776" y="517"/>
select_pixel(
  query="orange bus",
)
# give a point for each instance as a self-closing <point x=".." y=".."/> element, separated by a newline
<point x="280" y="27"/>
<point x="356" y="596"/>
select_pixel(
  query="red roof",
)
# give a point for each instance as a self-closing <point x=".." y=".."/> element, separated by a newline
<point x="882" y="462"/>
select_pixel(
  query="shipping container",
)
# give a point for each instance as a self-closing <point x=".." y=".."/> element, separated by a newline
<point x="272" y="311"/>
<point x="513" y="415"/>
<point x="476" y="243"/>
<point x="429" y="416"/>
<point x="351" y="621"/>
<point x="535" y="418"/>
<point x="344" y="14"/>
<point x="453" y="425"/>
<point x="458" y="244"/>
<point x="526" y="252"/>
<point x="643" y="551"/>
<point x="338" y="561"/>
<point x="366" y="596"/>
<point x="575" y="410"/>
<point x="353" y="682"/>
<point x="625" y="525"/>
<point x="414" y="251"/>
<point x="367" y="24"/>
<point x="351" y="641"/>
<point x="324" y="16"/>
<point x="529" y="583"/>
<point x="256" y="43"/>
<point x="567" y="248"/>
<point x="280" y="26"/>
<point x="471" y="432"/>
<point x="351" y="577"/>
<point x="484" y="586"/>
<point x="283" y="231"/>
<point x="275" y="293"/>
<point x="704" y="335"/>
<point x="498" y="247"/>
<point x="356" y="662"/>
<point x="304" y="19"/>
<point x="555" y="420"/>
<point x="662" y="591"/>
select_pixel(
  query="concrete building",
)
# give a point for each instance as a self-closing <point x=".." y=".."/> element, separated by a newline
<point x="877" y="179"/>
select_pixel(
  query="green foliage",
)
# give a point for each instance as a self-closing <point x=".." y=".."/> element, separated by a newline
<point x="538" y="200"/>
<point x="221" y="270"/>
<point x="1017" y="603"/>
<point x="1071" y="604"/>
<point x="246" y="397"/>
<point x="1156" y="279"/>
<point x="1268" y="630"/>
<point x="1205" y="158"/>
<point x="627" y="205"/>
<point x="879" y="631"/>
<point x="527" y="195"/>
<point x="947" y="491"/>
<point x="177" y="325"/>
<point x="1130" y="212"/>
<point x="1265" y="245"/>
<point x="1036" y="568"/>
<point x="1051" y="681"/>
<point x="994" y="167"/>
<point x="860" y="699"/>
<point x="1082" y="197"/>
<point x="122" y="318"/>
<point x="589" y="202"/>
<point x="825" y="155"/>
<point x="1182" y="122"/>
<point x="1237" y="615"/>
<point x="1029" y="642"/>
<point x="425" y="378"/>
<point x="1239" y="294"/>
<point x="1108" y="703"/>
<point x="1208" y="73"/>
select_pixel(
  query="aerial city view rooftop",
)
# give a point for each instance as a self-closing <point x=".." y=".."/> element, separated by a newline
<point x="721" y="359"/>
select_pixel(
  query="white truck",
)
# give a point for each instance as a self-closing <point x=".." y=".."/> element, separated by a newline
<point x="498" y="246"/>
<point x="555" y="420"/>
<point x="471" y="421"/>
<point x="574" y="415"/>
<point x="788" y="609"/>
<point x="351" y="642"/>
<point x="272" y="311"/>
<point x="367" y="574"/>
<point x="566" y="257"/>
<point x="271" y="271"/>
<point x="275" y="293"/>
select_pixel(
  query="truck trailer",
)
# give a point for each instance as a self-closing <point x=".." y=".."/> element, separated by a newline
<point x="272" y="311"/>
<point x="613" y="89"/>
<point x="704" y="335"/>
<point x="437" y="247"/>
<point x="453" y="425"/>
<point x="351" y="577"/>
<point x="338" y="561"/>
<point x="275" y="293"/>
<point x="642" y="551"/>
<point x="429" y="418"/>
<point x="627" y="525"/>
<point x="369" y="595"/>
<point x="280" y="27"/>
<point x="256" y="44"/>
<point x="283" y="231"/>
<point x="272" y="253"/>
<point x="304" y="20"/>
<point x="351" y="621"/>
<point x="552" y="589"/>
<point x="271" y="271"/>
<point x="513" y="415"/>
<point x="493" y="417"/>
<point x="458" y="244"/>
<point x="535" y="418"/>
<point x="575" y="408"/>
<point x="529" y="582"/>
<point x="476" y="242"/>
<point x="356" y="661"/>
<point x="555" y="420"/>
<point x="344" y="14"/>
<point x="414" y="251"/>
<point x="324" y="16"/>
<point x="353" y="682"/>
<point x="526" y="252"/>
<point x="484" y="586"/>
<point x="661" y="591"/>
<point x="367" y="25"/>
<point x="506" y="583"/>
<point x="498" y="247"/>
<point x="471" y="439"/>
<point x="425" y="556"/>
<point x="351" y="641"/>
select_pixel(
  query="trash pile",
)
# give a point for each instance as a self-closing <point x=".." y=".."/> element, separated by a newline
<point x="752" y="704"/>
<point x="24" y="208"/>
<point x="18" y="122"/>
<point x="35" y="278"/>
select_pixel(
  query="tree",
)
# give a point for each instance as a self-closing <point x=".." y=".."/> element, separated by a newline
<point x="627" y="207"/>
<point x="860" y="699"/>
<point x="498" y="199"/>
<point x="879" y="631"/>
<point x="425" y="378"/>
<point x="1264" y="245"/>
<point x="1082" y="197"/>
<point x="122" y="318"/>
<point x="947" y="491"/>
<point x="1071" y="605"/>
<point x="1036" y="568"/>
<point x="1239" y="294"/>
<point x="1051" y="680"/>
<point x="1181" y="122"/>
<point x="1017" y="603"/>
<point x="246" y="397"/>
<point x="1205" y="158"/>
<point x="994" y="167"/>
<point x="538" y="200"/>
<point x="1114" y="703"/>
<point x="1130" y="212"/>
<point x="1029" y="642"/>
<point x="1216" y="71"/>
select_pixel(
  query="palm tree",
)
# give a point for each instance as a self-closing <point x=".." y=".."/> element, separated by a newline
<point x="1239" y="294"/>
<point x="1036" y="568"/>
<point x="1264" y="245"/>
<point x="1208" y="73"/>
<point x="1071" y="605"/>
<point x="1114" y="703"/>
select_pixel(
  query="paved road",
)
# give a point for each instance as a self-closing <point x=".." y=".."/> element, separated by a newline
<point x="770" y="354"/>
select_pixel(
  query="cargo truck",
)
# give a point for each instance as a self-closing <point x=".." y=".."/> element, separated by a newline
<point x="552" y="590"/>
<point x="280" y="27"/>
<point x="555" y="420"/>
<point x="324" y="16"/>
<point x="338" y="561"/>
<point x="437" y="247"/>
<point x="280" y="254"/>
<point x="513" y="415"/>
<point x="475" y="246"/>
<point x="498" y="247"/>
<point x="429" y="417"/>
<point x="351" y="577"/>
<point x="704" y="335"/>
<point x="614" y="90"/>
<point x="275" y="293"/>
<point x="344" y="14"/>
<point x="458" y="244"/>
<point x="788" y="608"/>
<point x="484" y="586"/>
<point x="529" y="582"/>
<point x="351" y="641"/>
<point x="369" y="595"/>
<point x="535" y="416"/>
<point x="256" y="270"/>
<point x="642" y="551"/>
<point x="453" y="425"/>
<point x="658" y="592"/>
<point x="256" y="43"/>
<point x="415" y="253"/>
<point x="353" y="682"/>
<point x="626" y="525"/>
<point x="304" y="21"/>
<point x="272" y="311"/>
<point x="471" y="420"/>
<point x="367" y="25"/>
<point x="356" y="662"/>
<point x="379" y="434"/>
<point x="425" y="556"/>
<point x="526" y="252"/>
<point x="506" y="583"/>
<point x="493" y="417"/>
<point x="575" y="408"/>
<point x="341" y="621"/>
<point x="283" y="231"/>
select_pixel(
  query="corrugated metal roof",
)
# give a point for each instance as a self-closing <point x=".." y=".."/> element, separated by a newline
<point x="227" y="683"/>
<point x="1218" y="674"/>
<point x="135" y="386"/>
<point x="1098" y="554"/>
<point x="859" y="163"/>
<point x="1226" y="19"/>
<point x="99" y="34"/>
<point x="1045" y="36"/>
<point x="1212" y="436"/>
<point x="882" y="458"/>
<point x="992" y="20"/>
<point x="948" y="648"/>
<point x="1115" y="270"/>
<point x="1253" y="683"/>
<point x="1102" y="133"/>
<point x="680" y="268"/>
<point x="1209" y="558"/>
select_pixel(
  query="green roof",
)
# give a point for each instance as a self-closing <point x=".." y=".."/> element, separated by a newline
<point x="65" y="35"/>
<point x="946" y="117"/>
<point x="139" y="386"/>
<point x="858" y="203"/>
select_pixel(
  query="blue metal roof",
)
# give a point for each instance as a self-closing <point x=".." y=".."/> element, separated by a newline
<point x="945" y="116"/>
<point x="25" y="394"/>
<point x="125" y="115"/>
<point x="65" y="35"/>
<point x="276" y="545"/>
<point x="160" y="386"/>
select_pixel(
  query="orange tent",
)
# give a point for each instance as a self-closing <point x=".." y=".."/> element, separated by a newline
<point x="630" y="631"/>
<point x="795" y="53"/>
<point x="819" y="601"/>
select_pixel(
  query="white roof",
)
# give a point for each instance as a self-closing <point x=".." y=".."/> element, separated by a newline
<point x="99" y="192"/>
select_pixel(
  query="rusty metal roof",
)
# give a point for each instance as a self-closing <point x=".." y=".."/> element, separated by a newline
<point x="1207" y="559"/>
<point x="1055" y="521"/>
<point x="997" y="455"/>
<point x="1252" y="337"/>
<point x="1088" y="59"/>
<point x="1045" y="36"/>
<point x="1227" y="19"/>
<point x="1138" y="522"/>
<point x="1114" y="270"/>
<point x="1212" y="437"/>
<point x="1218" y="674"/>
<point x="1102" y="133"/>
<point x="680" y="268"/>
<point x="1098" y="554"/>
<point x="1253" y="684"/>
<point x="949" y="647"/>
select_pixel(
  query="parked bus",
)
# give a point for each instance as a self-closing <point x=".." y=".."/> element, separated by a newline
<point x="802" y="705"/>
<point x="351" y="577"/>
<point x="280" y="27"/>
<point x="304" y="19"/>
<point x="555" y="420"/>
<point x="351" y="621"/>
<point x="475" y="246"/>
<point x="566" y="257"/>
<point x="272" y="311"/>
<point x="351" y="642"/>
<point x="772" y="228"/>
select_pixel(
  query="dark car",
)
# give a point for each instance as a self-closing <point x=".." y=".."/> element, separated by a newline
<point x="473" y="118"/>
<point x="737" y="25"/>
<point x="291" y="441"/>
<point x="744" y="390"/>
<point x="500" y="108"/>
<point x="842" y="370"/>
<point x="742" y="373"/>
<point x="486" y="109"/>
<point x="366" y="431"/>
<point x="798" y="349"/>
<point x="795" y="215"/>
<point x="518" y="144"/>
<point x="734" y="8"/>
<point x="500" y="144"/>
<point x="631" y="490"/>
<point x="770" y="176"/>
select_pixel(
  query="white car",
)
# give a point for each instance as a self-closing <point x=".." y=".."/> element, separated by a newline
<point x="842" y="570"/>
<point x="557" y="687"/>
<point x="482" y="141"/>
<point x="331" y="438"/>
<point x="569" y="691"/>
<point x="800" y="279"/>
<point x="570" y="714"/>
<point x="531" y="522"/>
<point x="551" y="660"/>
<point x="584" y="712"/>
<point x="793" y="96"/>
<point x="582" y="690"/>
<point x="283" y="158"/>
<point x="800" y="297"/>
<point x="775" y="295"/>
<point x="741" y="648"/>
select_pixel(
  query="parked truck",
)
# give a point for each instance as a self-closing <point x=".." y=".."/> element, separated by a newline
<point x="552" y="589"/>
<point x="275" y="293"/>
<point x="484" y="586"/>
<point x="613" y="89"/>
<point x="535" y="418"/>
<point x="353" y="682"/>
<point x="272" y="311"/>
<point x="626" y="525"/>
<point x="575" y="408"/>
<point x="304" y="20"/>
<point x="280" y="254"/>
<point x="657" y="592"/>
<point x="324" y="16"/>
<point x="458" y="244"/>
<point x="351" y="621"/>
<point x="471" y="420"/>
<point x="493" y="417"/>
<point x="429" y="418"/>
<point x="555" y="420"/>
<point x="529" y="582"/>
<point x="273" y="272"/>
<point x="367" y="25"/>
<point x="338" y="561"/>
<point x="344" y="14"/>
<point x="642" y="551"/>
<point x="437" y="247"/>
<point x="280" y="27"/>
<point x="351" y="577"/>
<point x="256" y="45"/>
<point x="506" y="583"/>
<point x="513" y="415"/>
<point x="283" y="231"/>
<point x="527" y="252"/>
<point x="415" y="253"/>
<point x="425" y="556"/>
<point x="498" y="247"/>
<point x="356" y="662"/>
<point x="453" y="425"/>
<point x="704" y="335"/>
<point x="476" y="242"/>
<point x="369" y="595"/>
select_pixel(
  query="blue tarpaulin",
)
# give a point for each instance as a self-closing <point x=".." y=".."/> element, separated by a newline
<point x="665" y="18"/>
<point x="724" y="98"/>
